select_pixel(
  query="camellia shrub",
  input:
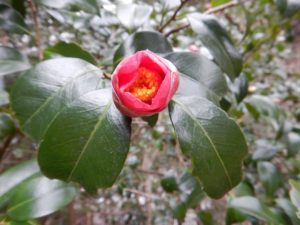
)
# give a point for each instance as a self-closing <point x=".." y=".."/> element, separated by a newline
<point x="78" y="107"/>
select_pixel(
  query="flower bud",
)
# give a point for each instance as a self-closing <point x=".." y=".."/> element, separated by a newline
<point x="143" y="84"/>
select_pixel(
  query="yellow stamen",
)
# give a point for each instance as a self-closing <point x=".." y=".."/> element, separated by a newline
<point x="146" y="84"/>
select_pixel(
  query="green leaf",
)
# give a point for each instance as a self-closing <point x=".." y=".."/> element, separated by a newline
<point x="39" y="197"/>
<point x="295" y="195"/>
<point x="253" y="207"/>
<point x="218" y="2"/>
<point x="12" y="61"/>
<point x="206" y="218"/>
<point x="262" y="107"/>
<point x="133" y="16"/>
<point x="11" y="178"/>
<point x="239" y="87"/>
<point x="12" y="21"/>
<point x="43" y="91"/>
<point x="87" y="142"/>
<point x="85" y="138"/>
<point x="169" y="183"/>
<point x="7" y="125"/>
<point x="234" y="216"/>
<point x="269" y="176"/>
<point x="90" y="6"/>
<point x="282" y="5"/>
<point x="215" y="38"/>
<point x="151" y="120"/>
<point x="143" y="40"/>
<point x="191" y="190"/>
<point x="293" y="143"/>
<point x="68" y="50"/>
<point x="198" y="76"/>
<point x="289" y="209"/>
<point x="217" y="156"/>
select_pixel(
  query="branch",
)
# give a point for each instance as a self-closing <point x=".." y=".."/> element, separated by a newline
<point x="5" y="145"/>
<point x="173" y="17"/>
<point x="37" y="28"/>
<point x="222" y="7"/>
<point x="209" y="11"/>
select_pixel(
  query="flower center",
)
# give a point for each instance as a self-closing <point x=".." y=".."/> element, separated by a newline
<point x="146" y="84"/>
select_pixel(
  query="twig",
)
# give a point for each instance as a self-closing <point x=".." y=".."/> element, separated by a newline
<point x="5" y="145"/>
<point x="209" y="11"/>
<point x="106" y="76"/>
<point x="37" y="28"/>
<point x="173" y="17"/>
<point x="222" y="7"/>
<point x="71" y="215"/>
<point x="152" y="172"/>
<point x="148" y="196"/>
<point x="177" y="29"/>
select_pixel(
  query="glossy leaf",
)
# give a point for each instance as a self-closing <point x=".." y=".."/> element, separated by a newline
<point x="215" y="38"/>
<point x="87" y="142"/>
<point x="68" y="50"/>
<point x="293" y="143"/>
<point x="143" y="40"/>
<point x="253" y="207"/>
<point x="12" y="21"/>
<point x="269" y="176"/>
<point x="132" y="15"/>
<point x="43" y="91"/>
<point x="39" y="197"/>
<point x="216" y="155"/>
<point x="198" y="76"/>
<point x="85" y="138"/>
<point x="12" y="61"/>
<point x="295" y="195"/>
<point x="15" y="176"/>
<point x="169" y="183"/>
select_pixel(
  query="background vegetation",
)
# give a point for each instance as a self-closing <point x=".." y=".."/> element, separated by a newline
<point x="156" y="185"/>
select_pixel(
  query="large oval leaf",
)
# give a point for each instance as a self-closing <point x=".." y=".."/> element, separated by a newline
<point x="151" y="40"/>
<point x="215" y="38"/>
<point x="216" y="152"/>
<point x="12" y="61"/>
<point x="87" y="143"/>
<point x="39" y="197"/>
<point x="198" y="75"/>
<point x="11" y="20"/>
<point x="43" y="91"/>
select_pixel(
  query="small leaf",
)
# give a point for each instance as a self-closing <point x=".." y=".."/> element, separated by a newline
<point x="239" y="87"/>
<point x="295" y="195"/>
<point x="293" y="143"/>
<point x="289" y="209"/>
<point x="7" y="125"/>
<point x="198" y="76"/>
<point x="15" y="176"/>
<point x="87" y="142"/>
<point x="217" y="156"/>
<point x="12" y="61"/>
<point x="169" y="183"/>
<point x="68" y="50"/>
<point x="269" y="176"/>
<point x="151" y="120"/>
<point x="39" y="197"/>
<point x="143" y="40"/>
<point x="43" y="91"/>
<point x="90" y="6"/>
<point x="253" y="207"/>
<point x="133" y="16"/>
<point x="216" y="39"/>
<point x="12" y="21"/>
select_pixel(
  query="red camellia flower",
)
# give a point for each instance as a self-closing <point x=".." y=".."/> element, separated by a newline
<point x="143" y="84"/>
